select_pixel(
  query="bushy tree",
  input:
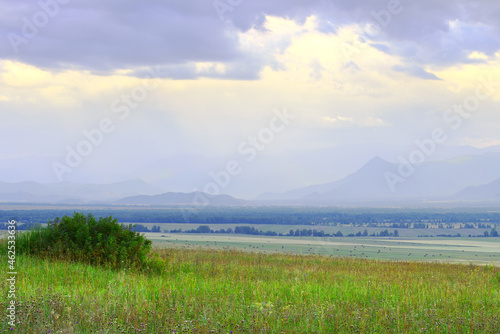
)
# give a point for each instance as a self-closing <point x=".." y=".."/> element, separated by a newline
<point x="203" y="229"/>
<point x="86" y="239"/>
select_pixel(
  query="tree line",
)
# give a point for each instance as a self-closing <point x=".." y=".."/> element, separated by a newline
<point x="292" y="233"/>
<point x="390" y="218"/>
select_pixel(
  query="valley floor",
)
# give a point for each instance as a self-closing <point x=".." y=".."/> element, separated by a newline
<point x="435" y="249"/>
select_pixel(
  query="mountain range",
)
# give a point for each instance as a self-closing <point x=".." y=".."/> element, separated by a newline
<point x="487" y="192"/>
<point x="269" y="172"/>
<point x="464" y="179"/>
<point x="68" y="192"/>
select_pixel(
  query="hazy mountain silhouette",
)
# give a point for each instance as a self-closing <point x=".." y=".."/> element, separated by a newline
<point x="467" y="177"/>
<point x="194" y="198"/>
<point x="67" y="192"/>
<point x="431" y="180"/>
<point x="487" y="192"/>
<point x="269" y="172"/>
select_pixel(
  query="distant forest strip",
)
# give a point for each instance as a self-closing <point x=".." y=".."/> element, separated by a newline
<point x="292" y="233"/>
<point x="390" y="218"/>
<point x="300" y="232"/>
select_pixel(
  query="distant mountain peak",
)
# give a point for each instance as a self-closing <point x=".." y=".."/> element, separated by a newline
<point x="376" y="163"/>
<point x="377" y="160"/>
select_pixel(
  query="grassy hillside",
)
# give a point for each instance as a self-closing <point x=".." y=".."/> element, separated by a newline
<point x="217" y="291"/>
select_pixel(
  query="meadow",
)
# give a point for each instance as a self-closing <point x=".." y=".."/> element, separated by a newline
<point x="234" y="291"/>
<point x="238" y="283"/>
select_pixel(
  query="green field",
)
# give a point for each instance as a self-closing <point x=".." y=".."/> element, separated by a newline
<point x="465" y="250"/>
<point x="228" y="291"/>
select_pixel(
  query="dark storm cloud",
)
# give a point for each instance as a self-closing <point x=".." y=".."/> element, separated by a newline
<point x="119" y="34"/>
<point x="440" y="33"/>
<point x="103" y="36"/>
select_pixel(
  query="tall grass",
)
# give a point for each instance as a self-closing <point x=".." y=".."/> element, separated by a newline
<point x="222" y="291"/>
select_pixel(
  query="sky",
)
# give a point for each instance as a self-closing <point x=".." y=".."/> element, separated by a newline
<point x="93" y="87"/>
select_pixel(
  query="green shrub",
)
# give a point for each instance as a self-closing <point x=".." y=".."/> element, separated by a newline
<point x="83" y="238"/>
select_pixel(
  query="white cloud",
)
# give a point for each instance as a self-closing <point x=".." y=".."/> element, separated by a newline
<point x="480" y="142"/>
<point x="340" y="121"/>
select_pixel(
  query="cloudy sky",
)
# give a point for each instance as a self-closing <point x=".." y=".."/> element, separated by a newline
<point x="132" y="82"/>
